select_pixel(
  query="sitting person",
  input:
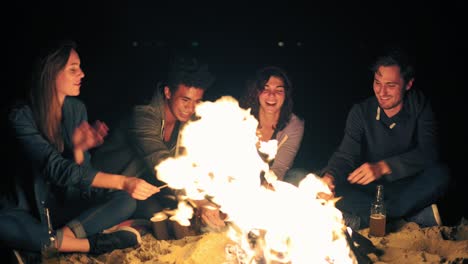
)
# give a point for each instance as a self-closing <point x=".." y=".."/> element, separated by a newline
<point x="390" y="139"/>
<point x="150" y="134"/>
<point x="51" y="138"/>
<point x="269" y="96"/>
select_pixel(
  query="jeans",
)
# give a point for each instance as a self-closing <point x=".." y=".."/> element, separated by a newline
<point x="402" y="197"/>
<point x="295" y="175"/>
<point x="19" y="229"/>
<point x="156" y="203"/>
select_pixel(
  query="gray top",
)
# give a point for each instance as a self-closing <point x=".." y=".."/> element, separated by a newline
<point x="289" y="141"/>
<point x="136" y="145"/>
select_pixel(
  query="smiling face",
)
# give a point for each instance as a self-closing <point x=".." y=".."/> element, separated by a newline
<point x="389" y="89"/>
<point x="181" y="104"/>
<point x="272" y="97"/>
<point x="68" y="81"/>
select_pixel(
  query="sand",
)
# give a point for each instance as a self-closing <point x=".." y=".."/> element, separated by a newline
<point x="407" y="243"/>
<point x="412" y="244"/>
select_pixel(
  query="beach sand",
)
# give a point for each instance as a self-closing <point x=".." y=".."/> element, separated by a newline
<point x="407" y="243"/>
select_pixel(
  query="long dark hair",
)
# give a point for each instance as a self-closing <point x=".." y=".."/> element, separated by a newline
<point x="257" y="85"/>
<point x="43" y="96"/>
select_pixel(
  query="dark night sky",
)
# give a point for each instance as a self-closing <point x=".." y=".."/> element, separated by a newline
<point x="124" y="50"/>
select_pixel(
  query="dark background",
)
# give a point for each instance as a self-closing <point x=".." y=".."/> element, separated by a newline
<point x="125" y="49"/>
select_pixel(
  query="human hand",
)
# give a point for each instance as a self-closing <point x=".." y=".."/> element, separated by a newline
<point x="369" y="172"/>
<point x="101" y="128"/>
<point x="138" y="188"/>
<point x="329" y="180"/>
<point x="86" y="136"/>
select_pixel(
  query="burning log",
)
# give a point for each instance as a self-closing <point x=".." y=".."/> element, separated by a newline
<point x="227" y="171"/>
<point x="361" y="246"/>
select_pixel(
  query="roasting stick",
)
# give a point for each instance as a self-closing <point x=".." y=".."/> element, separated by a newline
<point x="283" y="140"/>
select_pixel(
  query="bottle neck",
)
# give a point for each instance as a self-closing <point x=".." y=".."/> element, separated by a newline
<point x="51" y="231"/>
<point x="49" y="223"/>
<point x="379" y="197"/>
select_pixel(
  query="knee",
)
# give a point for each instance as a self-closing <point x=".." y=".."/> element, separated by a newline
<point x="147" y="208"/>
<point x="127" y="205"/>
<point x="22" y="232"/>
<point x="438" y="175"/>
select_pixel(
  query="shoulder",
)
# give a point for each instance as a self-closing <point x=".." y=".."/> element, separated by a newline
<point x="157" y="98"/>
<point x="146" y="111"/>
<point x="19" y="119"/>
<point x="153" y="110"/>
<point x="365" y="108"/>
<point x="19" y="111"/>
<point x="294" y="126"/>
<point x="367" y="103"/>
<point x="154" y="105"/>
<point x="296" y="121"/>
<point x="416" y="100"/>
<point x="146" y="116"/>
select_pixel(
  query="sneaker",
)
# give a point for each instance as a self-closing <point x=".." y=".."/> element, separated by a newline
<point x="143" y="226"/>
<point x="123" y="237"/>
<point x="427" y="217"/>
<point x="17" y="258"/>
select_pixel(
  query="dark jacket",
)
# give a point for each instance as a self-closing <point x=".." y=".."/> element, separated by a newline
<point x="407" y="141"/>
<point x="42" y="167"/>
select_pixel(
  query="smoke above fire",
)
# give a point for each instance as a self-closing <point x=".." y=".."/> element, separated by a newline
<point x="219" y="158"/>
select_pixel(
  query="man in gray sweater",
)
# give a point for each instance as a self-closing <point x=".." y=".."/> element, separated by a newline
<point x="150" y="135"/>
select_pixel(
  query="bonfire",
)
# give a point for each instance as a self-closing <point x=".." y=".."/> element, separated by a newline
<point x="269" y="221"/>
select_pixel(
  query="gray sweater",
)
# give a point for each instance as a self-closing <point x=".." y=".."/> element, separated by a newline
<point x="137" y="144"/>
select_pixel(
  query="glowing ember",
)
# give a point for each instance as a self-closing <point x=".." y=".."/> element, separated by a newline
<point x="286" y="224"/>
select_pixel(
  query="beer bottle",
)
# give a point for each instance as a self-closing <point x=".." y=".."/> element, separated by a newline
<point x="378" y="214"/>
<point x="50" y="252"/>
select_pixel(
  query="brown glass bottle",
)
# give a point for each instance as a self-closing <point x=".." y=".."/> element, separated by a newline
<point x="49" y="251"/>
<point x="378" y="214"/>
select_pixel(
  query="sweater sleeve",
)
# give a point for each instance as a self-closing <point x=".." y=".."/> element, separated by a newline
<point x="289" y="141"/>
<point x="44" y="157"/>
<point x="348" y="155"/>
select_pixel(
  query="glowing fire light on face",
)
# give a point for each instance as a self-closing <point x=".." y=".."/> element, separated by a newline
<point x="221" y="161"/>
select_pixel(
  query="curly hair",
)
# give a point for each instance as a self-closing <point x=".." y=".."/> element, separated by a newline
<point x="189" y="72"/>
<point x="257" y="85"/>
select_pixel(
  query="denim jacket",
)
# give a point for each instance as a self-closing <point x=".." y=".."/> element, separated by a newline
<point x="45" y="166"/>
